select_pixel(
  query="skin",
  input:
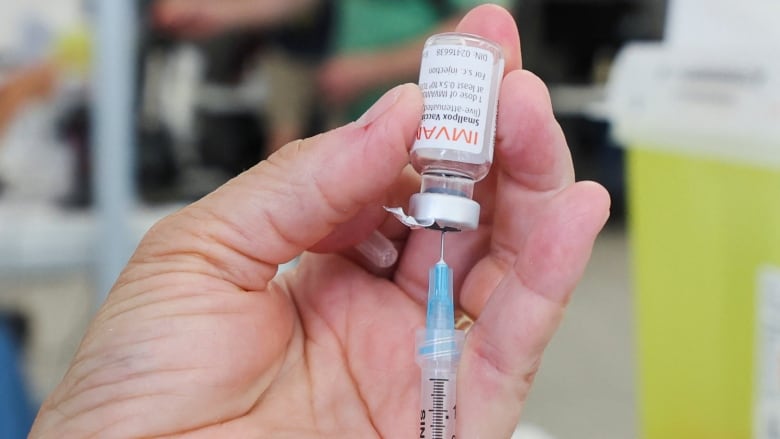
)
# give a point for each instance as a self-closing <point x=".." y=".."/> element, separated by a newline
<point x="31" y="83"/>
<point x="199" y="339"/>
<point x="202" y="18"/>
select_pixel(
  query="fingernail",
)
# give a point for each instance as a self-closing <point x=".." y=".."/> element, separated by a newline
<point x="379" y="250"/>
<point x="380" y="107"/>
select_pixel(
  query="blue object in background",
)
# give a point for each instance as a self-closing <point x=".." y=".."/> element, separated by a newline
<point x="16" y="410"/>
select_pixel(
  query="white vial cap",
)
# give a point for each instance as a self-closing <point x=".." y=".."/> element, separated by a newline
<point x="445" y="211"/>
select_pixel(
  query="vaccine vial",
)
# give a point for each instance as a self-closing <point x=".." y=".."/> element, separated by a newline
<point x="460" y="78"/>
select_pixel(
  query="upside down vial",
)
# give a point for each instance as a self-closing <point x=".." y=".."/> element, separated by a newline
<point x="460" y="78"/>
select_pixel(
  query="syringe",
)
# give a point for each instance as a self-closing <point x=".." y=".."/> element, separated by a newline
<point x="438" y="352"/>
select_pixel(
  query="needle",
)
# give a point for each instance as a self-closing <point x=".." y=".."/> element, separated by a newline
<point x="441" y="258"/>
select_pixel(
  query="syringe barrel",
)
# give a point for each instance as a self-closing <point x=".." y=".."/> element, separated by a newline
<point x="438" y="354"/>
<point x="438" y="404"/>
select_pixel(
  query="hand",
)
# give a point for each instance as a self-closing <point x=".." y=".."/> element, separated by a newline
<point x="199" y="339"/>
<point x="196" y="18"/>
<point x="344" y="78"/>
<point x="203" y="18"/>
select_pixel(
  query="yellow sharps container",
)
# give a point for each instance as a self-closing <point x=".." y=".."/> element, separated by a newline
<point x="703" y="176"/>
<point x="700" y="232"/>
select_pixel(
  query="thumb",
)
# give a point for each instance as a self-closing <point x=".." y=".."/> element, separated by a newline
<point x="284" y="205"/>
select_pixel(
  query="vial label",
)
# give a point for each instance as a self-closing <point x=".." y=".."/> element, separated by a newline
<point x="455" y="83"/>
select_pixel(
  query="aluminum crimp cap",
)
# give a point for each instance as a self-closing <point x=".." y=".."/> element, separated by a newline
<point x="439" y="211"/>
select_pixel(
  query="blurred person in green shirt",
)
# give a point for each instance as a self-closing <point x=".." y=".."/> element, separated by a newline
<point x="375" y="43"/>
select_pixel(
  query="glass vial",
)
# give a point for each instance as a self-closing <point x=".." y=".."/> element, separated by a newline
<point x="460" y="77"/>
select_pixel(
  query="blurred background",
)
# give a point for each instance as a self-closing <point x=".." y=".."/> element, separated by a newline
<point x="113" y="114"/>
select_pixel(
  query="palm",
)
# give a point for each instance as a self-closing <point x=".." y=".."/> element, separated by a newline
<point x="325" y="353"/>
